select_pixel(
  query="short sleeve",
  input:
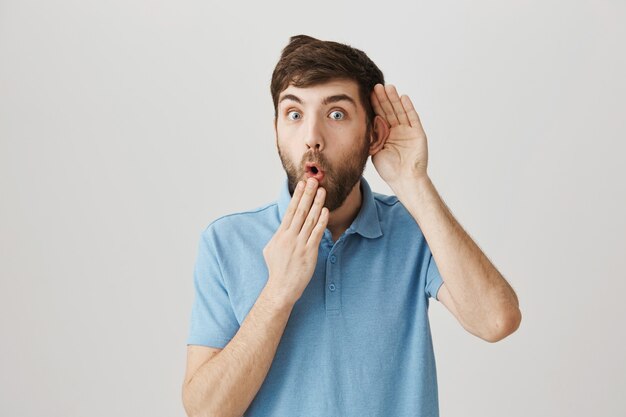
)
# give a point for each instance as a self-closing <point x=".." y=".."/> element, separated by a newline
<point x="213" y="321"/>
<point x="433" y="277"/>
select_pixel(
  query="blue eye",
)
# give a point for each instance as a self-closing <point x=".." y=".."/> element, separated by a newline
<point x="295" y="113"/>
<point x="341" y="113"/>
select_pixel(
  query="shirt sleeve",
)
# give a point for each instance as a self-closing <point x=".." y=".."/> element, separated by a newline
<point x="433" y="278"/>
<point x="213" y="321"/>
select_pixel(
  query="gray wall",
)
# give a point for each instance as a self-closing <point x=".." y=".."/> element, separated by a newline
<point x="127" y="126"/>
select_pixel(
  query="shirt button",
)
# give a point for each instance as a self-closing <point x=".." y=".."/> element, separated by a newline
<point x="331" y="287"/>
<point x="333" y="259"/>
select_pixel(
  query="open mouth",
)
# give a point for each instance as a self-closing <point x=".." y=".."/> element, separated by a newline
<point x="312" y="169"/>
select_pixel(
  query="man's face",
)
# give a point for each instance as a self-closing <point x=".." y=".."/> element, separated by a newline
<point x="321" y="132"/>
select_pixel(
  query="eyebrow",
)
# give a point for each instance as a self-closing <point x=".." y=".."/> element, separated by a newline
<point x="327" y="100"/>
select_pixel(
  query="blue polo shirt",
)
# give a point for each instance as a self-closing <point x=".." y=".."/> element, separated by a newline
<point x="358" y="341"/>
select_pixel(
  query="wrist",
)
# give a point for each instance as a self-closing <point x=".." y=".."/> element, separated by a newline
<point x="275" y="299"/>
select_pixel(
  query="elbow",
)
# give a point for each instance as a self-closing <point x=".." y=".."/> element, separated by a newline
<point x="505" y="325"/>
<point x="187" y="402"/>
<point x="191" y="403"/>
<point x="197" y="405"/>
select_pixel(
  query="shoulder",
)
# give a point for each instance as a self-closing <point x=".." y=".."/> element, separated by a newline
<point x="390" y="205"/>
<point x="385" y="200"/>
<point x="394" y="216"/>
<point x="247" y="221"/>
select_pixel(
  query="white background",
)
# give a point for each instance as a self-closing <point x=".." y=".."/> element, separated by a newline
<point x="127" y="126"/>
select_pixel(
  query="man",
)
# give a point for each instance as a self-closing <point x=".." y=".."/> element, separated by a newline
<point x="317" y="304"/>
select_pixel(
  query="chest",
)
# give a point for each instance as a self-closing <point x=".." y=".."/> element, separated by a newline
<point x="351" y="274"/>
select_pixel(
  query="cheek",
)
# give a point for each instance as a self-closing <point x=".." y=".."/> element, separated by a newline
<point x="292" y="156"/>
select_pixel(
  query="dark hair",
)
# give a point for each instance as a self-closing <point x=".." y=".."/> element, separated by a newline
<point x="307" y="61"/>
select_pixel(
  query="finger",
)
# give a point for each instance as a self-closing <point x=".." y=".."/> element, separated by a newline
<point x="384" y="102"/>
<point x="318" y="230"/>
<point x="398" y="109"/>
<point x="311" y="219"/>
<point x="376" y="105"/>
<point x="414" y="119"/>
<point x="293" y="204"/>
<point x="304" y="206"/>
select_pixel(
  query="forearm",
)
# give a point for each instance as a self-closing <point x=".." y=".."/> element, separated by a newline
<point x="227" y="384"/>
<point x="482" y="297"/>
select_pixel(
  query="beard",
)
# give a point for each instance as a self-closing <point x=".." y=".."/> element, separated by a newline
<point x="338" y="180"/>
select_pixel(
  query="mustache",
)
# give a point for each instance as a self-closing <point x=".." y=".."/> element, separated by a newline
<point x="317" y="159"/>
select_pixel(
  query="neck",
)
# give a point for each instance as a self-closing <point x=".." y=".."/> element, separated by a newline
<point x="342" y="217"/>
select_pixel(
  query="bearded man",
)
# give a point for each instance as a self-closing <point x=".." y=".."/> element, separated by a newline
<point x="317" y="304"/>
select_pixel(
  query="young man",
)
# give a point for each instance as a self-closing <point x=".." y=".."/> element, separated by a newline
<point x="317" y="304"/>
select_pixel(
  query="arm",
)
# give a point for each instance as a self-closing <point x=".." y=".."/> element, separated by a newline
<point x="473" y="289"/>
<point x="227" y="384"/>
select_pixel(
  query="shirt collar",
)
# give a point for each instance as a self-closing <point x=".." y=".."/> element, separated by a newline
<point x="366" y="223"/>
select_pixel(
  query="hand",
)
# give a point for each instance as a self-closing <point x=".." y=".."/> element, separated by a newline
<point x="404" y="156"/>
<point x="291" y="254"/>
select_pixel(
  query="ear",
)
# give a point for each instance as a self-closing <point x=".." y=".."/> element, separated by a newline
<point x="379" y="134"/>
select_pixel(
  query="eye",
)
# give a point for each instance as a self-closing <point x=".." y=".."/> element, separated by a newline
<point x="341" y="115"/>
<point x="293" y="112"/>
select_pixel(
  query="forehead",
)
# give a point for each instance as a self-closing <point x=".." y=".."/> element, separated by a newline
<point x="317" y="93"/>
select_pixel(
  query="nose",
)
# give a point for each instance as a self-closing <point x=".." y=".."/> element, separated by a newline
<point x="314" y="134"/>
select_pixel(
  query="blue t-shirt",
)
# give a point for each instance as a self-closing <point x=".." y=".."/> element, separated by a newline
<point x="358" y="341"/>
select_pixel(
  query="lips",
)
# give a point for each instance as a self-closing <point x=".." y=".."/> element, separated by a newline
<point x="313" y="170"/>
